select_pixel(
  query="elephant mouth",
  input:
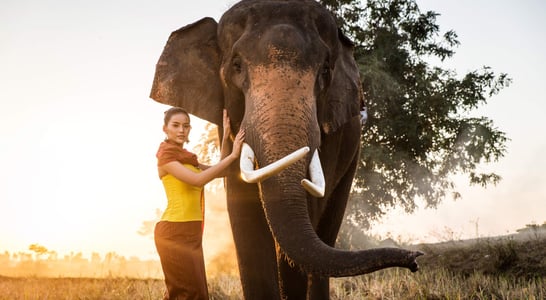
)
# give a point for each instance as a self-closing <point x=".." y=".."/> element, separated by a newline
<point x="315" y="186"/>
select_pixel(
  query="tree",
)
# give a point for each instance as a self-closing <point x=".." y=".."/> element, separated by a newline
<point x="419" y="131"/>
<point x="208" y="147"/>
<point x="147" y="227"/>
<point x="38" y="249"/>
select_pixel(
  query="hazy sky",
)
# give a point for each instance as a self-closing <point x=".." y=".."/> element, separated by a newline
<point x="79" y="133"/>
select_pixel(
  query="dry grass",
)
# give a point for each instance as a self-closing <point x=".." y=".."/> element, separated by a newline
<point x="482" y="269"/>
<point x="79" y="288"/>
<point x="436" y="284"/>
<point x="388" y="284"/>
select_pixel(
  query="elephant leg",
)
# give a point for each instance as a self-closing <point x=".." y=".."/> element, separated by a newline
<point x="253" y="242"/>
<point x="332" y="217"/>
<point x="293" y="282"/>
<point x="319" y="287"/>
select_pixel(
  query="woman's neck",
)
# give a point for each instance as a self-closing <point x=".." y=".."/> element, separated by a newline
<point x="174" y="143"/>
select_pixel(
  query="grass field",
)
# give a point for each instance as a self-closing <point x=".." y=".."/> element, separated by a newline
<point x="504" y="268"/>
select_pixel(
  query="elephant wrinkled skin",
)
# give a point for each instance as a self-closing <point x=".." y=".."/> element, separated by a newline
<point x="287" y="75"/>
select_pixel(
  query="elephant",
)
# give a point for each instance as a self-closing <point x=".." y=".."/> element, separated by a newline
<point x="286" y="75"/>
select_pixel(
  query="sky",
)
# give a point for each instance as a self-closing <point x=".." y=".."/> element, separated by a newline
<point x="79" y="132"/>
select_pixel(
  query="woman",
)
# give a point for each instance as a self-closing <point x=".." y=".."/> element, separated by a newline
<point x="178" y="235"/>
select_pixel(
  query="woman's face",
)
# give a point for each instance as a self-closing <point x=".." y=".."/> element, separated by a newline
<point x="178" y="128"/>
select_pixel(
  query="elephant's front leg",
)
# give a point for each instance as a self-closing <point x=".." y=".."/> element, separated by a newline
<point x="253" y="242"/>
<point x="292" y="281"/>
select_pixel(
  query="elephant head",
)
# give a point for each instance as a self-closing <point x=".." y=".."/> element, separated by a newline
<point x="287" y="75"/>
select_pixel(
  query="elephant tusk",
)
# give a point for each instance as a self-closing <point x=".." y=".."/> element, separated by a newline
<point x="250" y="175"/>
<point x="317" y="184"/>
<point x="363" y="116"/>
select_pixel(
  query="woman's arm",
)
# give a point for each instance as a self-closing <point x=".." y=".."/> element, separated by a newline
<point x="225" y="147"/>
<point x="182" y="173"/>
<point x="203" y="167"/>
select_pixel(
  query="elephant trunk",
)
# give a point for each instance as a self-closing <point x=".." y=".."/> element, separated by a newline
<point x="285" y="205"/>
<point x="286" y="211"/>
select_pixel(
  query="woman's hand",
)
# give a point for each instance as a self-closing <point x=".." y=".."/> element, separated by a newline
<point x="227" y="126"/>
<point x="238" y="143"/>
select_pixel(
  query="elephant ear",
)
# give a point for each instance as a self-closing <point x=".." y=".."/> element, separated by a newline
<point x="187" y="73"/>
<point x="345" y="97"/>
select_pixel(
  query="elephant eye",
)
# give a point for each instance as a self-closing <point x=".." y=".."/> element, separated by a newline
<point x="236" y="63"/>
<point x="325" y="71"/>
<point x="325" y="75"/>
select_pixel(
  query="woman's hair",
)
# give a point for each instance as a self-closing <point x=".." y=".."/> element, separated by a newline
<point x="173" y="111"/>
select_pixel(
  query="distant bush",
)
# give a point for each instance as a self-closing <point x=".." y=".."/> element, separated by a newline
<point x="509" y="255"/>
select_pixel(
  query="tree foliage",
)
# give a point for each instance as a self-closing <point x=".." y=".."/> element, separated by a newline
<point x="419" y="131"/>
<point x="208" y="148"/>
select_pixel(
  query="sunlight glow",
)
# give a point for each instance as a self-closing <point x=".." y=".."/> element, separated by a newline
<point x="79" y="132"/>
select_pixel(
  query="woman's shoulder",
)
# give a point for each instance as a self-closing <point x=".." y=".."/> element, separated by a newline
<point x="167" y="147"/>
<point x="167" y="153"/>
